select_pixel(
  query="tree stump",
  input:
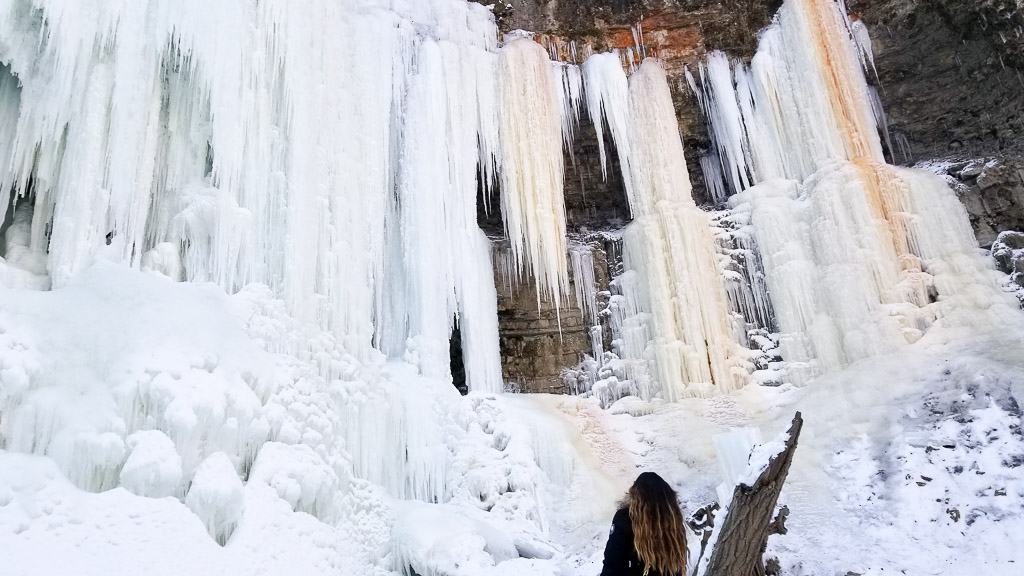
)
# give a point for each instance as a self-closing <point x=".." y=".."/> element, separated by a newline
<point x="743" y="537"/>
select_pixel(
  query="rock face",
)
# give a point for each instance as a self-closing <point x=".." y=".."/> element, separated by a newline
<point x="949" y="78"/>
<point x="1008" y="252"/>
<point x="992" y="190"/>
<point x="949" y="72"/>
<point x="539" y="341"/>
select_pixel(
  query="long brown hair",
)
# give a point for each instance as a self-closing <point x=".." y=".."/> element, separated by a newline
<point x="658" y="533"/>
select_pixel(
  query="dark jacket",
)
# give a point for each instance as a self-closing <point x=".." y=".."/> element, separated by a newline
<point x="620" y="557"/>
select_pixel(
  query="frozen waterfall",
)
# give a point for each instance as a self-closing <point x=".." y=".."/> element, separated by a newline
<point x="850" y="245"/>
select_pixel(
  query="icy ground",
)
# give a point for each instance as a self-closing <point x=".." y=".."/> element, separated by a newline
<point x="144" y="420"/>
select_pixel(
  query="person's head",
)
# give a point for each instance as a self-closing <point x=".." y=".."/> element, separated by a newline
<point x="658" y="533"/>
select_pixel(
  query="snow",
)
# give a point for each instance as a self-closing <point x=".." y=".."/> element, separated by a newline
<point x="244" y="233"/>
<point x="539" y="474"/>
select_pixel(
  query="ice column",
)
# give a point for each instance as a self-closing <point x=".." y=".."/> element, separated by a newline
<point x="532" y="166"/>
<point x="670" y="243"/>
<point x="445" y="258"/>
<point x="673" y="310"/>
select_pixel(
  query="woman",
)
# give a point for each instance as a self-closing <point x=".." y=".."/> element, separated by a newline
<point x="648" y="537"/>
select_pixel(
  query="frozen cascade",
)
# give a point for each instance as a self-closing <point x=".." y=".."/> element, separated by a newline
<point x="444" y="264"/>
<point x="223" y="144"/>
<point x="671" y="321"/>
<point x="532" y="174"/>
<point x="670" y="243"/>
<point x="265" y="148"/>
<point x="858" y="256"/>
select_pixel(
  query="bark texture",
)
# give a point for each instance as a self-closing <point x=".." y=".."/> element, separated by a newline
<point x="740" y="547"/>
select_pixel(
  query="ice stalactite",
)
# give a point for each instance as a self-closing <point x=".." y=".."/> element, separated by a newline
<point x="569" y="78"/>
<point x="532" y="167"/>
<point x="608" y="104"/>
<point x="842" y="235"/>
<point x="242" y="143"/>
<point x="585" y="287"/>
<point x="444" y="260"/>
<point x="725" y="120"/>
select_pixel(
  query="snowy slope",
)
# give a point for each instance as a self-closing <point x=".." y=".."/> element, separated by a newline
<point x="907" y="462"/>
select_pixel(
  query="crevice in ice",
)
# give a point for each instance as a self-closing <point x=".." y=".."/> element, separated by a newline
<point x="457" y="361"/>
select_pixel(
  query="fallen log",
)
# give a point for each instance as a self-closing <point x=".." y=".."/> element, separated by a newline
<point x="748" y="520"/>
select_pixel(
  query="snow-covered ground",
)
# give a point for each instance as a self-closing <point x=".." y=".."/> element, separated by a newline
<point x="143" y="420"/>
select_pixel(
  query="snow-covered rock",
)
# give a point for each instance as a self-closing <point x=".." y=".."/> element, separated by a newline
<point x="216" y="496"/>
<point x="153" y="467"/>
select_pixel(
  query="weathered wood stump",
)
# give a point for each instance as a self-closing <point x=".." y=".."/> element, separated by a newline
<point x="743" y="538"/>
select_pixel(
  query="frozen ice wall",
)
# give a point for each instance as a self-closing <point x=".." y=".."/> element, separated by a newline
<point x="315" y="148"/>
<point x="850" y="245"/>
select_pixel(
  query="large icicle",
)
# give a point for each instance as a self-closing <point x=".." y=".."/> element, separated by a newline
<point x="672" y="311"/>
<point x="532" y="175"/>
<point x="608" y="103"/>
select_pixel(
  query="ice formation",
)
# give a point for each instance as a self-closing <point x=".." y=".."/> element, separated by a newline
<point x="858" y="256"/>
<point x="243" y="144"/>
<point x="260" y="219"/>
<point x="216" y="496"/>
<point x="673" y="322"/>
<point x="532" y="175"/>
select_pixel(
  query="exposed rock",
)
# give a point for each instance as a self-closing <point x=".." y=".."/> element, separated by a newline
<point x="540" y="341"/>
<point x="950" y="85"/>
<point x="1008" y="252"/>
<point x="993" y="193"/>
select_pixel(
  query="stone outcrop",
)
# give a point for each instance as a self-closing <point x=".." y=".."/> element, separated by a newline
<point x="1008" y="252"/>
<point x="993" y="193"/>
<point x="540" y="341"/>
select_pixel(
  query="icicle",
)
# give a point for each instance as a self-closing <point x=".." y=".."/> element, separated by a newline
<point x="608" y="104"/>
<point x="582" y="260"/>
<point x="570" y="79"/>
<point x="725" y="119"/>
<point x="532" y="166"/>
